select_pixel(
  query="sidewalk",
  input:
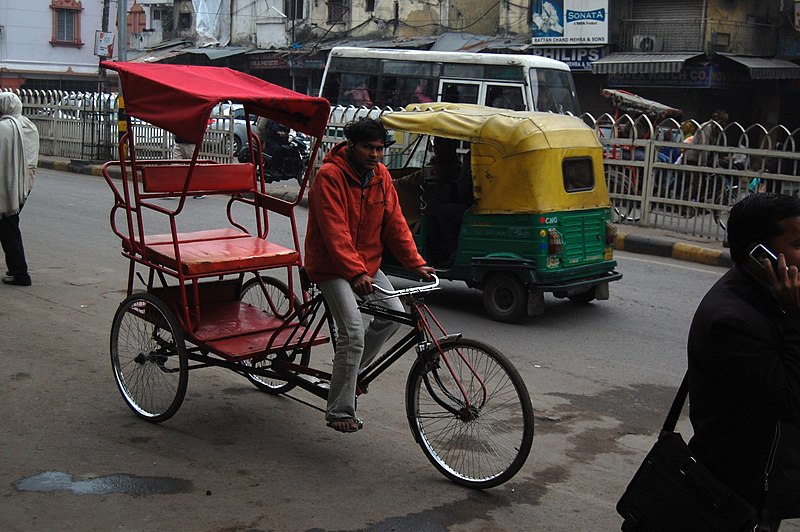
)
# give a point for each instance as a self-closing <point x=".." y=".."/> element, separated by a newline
<point x="630" y="238"/>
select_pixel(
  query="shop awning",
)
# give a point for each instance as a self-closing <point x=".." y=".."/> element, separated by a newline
<point x="767" y="67"/>
<point x="214" y="53"/>
<point x="642" y="63"/>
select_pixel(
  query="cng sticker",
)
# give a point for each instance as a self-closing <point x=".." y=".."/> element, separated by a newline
<point x="551" y="220"/>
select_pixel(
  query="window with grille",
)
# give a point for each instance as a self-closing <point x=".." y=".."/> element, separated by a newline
<point x="66" y="23"/>
<point x="336" y="11"/>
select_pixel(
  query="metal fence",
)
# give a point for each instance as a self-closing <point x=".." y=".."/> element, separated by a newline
<point x="83" y="126"/>
<point x="654" y="177"/>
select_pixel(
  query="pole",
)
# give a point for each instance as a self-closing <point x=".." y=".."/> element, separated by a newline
<point x="122" y="30"/>
<point x="101" y="84"/>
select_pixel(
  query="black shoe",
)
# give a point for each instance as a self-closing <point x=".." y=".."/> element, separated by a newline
<point x="18" y="281"/>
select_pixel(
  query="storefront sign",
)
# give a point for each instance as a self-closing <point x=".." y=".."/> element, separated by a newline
<point x="104" y="43"/>
<point x="578" y="59"/>
<point x="268" y="63"/>
<point x="317" y="64"/>
<point x="690" y="77"/>
<point x="570" y="22"/>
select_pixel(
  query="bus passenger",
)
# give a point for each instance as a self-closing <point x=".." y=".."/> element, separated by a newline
<point x="359" y="95"/>
<point x="353" y="212"/>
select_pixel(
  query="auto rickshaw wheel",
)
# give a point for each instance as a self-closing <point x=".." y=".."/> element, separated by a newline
<point x="583" y="297"/>
<point x="505" y="297"/>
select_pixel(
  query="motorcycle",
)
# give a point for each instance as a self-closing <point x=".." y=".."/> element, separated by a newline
<point x="285" y="160"/>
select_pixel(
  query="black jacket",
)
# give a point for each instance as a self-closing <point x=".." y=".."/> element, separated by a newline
<point x="744" y="393"/>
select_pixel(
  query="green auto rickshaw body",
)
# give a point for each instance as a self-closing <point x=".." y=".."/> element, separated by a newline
<point x="540" y="219"/>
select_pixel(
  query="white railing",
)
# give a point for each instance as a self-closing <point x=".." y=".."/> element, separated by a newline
<point x="657" y="179"/>
<point x="648" y="183"/>
<point x="84" y="126"/>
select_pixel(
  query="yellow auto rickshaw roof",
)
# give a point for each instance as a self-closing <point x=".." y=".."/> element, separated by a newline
<point x="516" y="156"/>
<point x="509" y="131"/>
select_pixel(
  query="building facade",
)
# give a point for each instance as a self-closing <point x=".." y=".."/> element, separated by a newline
<point x="49" y="45"/>
<point x="695" y="55"/>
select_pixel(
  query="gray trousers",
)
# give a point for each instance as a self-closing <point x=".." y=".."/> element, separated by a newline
<point x="355" y="347"/>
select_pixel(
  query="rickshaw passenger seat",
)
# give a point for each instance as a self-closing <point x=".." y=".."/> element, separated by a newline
<point x="208" y="257"/>
<point x="206" y="178"/>
<point x="210" y="251"/>
<point x="194" y="236"/>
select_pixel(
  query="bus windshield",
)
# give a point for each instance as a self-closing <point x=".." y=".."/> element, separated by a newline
<point x="369" y="77"/>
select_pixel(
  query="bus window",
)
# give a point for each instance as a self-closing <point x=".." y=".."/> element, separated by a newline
<point x="554" y="91"/>
<point x="505" y="97"/>
<point x="462" y="70"/>
<point x="459" y="92"/>
<point x="356" y="90"/>
<point x="396" y="78"/>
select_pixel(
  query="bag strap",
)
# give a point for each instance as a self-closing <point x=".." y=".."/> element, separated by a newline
<point x="677" y="405"/>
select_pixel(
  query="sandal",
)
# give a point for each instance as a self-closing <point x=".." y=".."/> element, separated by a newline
<point x="346" y="424"/>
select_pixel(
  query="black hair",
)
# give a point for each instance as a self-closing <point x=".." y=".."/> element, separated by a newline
<point x="365" y="130"/>
<point x="755" y="220"/>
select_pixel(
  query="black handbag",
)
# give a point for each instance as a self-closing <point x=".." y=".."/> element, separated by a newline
<point x="672" y="491"/>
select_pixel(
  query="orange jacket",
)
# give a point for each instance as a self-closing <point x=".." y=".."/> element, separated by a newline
<point x="348" y="225"/>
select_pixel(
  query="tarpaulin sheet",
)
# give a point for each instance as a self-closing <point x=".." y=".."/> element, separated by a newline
<point x="180" y="98"/>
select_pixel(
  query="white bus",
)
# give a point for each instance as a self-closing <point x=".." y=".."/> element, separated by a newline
<point x="376" y="77"/>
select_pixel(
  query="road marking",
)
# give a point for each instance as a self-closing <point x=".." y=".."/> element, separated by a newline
<point x="711" y="269"/>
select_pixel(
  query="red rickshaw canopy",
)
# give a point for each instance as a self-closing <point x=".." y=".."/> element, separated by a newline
<point x="180" y="98"/>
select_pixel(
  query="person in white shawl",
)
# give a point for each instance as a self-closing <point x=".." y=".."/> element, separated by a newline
<point x="19" y="156"/>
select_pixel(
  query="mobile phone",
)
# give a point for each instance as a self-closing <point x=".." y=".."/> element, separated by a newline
<point x="761" y="252"/>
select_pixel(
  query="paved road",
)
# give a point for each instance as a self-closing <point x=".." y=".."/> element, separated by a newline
<point x="601" y="377"/>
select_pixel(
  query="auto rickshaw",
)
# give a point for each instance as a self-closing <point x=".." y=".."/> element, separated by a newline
<point x="539" y="217"/>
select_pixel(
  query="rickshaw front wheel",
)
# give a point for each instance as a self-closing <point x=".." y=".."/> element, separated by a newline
<point x="505" y="297"/>
<point x="470" y="412"/>
<point x="148" y="356"/>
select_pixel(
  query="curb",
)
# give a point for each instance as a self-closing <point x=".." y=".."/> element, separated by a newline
<point x="664" y="247"/>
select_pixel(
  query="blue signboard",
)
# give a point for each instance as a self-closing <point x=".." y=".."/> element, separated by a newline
<point x="709" y="76"/>
<point x="578" y="59"/>
<point x="569" y="22"/>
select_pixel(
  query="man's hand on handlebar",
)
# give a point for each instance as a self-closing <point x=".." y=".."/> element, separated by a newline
<point x="362" y="284"/>
<point x="425" y="272"/>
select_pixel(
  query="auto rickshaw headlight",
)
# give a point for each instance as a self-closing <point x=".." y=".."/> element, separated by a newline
<point x="555" y="243"/>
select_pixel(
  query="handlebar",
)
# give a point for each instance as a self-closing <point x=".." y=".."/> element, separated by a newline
<point x="410" y="290"/>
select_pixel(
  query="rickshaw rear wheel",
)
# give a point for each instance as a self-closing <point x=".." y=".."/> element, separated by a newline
<point x="278" y="293"/>
<point x="583" y="297"/>
<point x="148" y="356"/>
<point x="483" y="440"/>
<point x="505" y="297"/>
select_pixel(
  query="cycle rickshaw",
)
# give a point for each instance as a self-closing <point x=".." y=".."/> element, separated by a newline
<point x="208" y="300"/>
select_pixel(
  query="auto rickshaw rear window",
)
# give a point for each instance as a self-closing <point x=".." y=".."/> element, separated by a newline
<point x="578" y="174"/>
